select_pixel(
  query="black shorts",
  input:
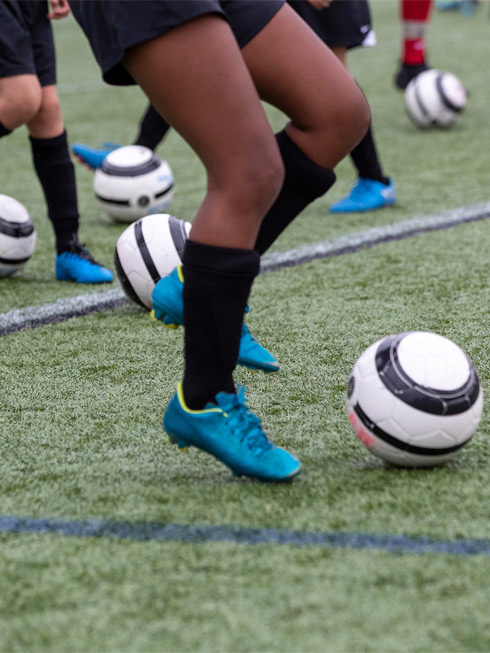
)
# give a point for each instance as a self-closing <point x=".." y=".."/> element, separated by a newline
<point x="345" y="23"/>
<point x="113" y="27"/>
<point x="26" y="41"/>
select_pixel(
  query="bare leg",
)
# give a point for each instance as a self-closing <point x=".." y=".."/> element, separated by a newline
<point x="20" y="99"/>
<point x="209" y="97"/>
<point x="329" y="114"/>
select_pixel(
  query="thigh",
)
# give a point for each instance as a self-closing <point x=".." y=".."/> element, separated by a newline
<point x="196" y="77"/>
<point x="296" y="72"/>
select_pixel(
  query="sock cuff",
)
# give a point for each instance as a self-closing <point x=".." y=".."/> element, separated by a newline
<point x="227" y="261"/>
<point x="303" y="175"/>
<point x="47" y="143"/>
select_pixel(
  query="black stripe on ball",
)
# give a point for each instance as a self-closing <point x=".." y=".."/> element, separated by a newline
<point x="445" y="100"/>
<point x="16" y="229"/>
<point x="125" y="283"/>
<point x="145" y="252"/>
<point x="400" y="444"/>
<point x="163" y="192"/>
<point x="178" y="234"/>
<point x="428" y="400"/>
<point x="130" y="171"/>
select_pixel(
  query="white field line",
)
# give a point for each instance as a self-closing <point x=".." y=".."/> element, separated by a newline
<point x="62" y="309"/>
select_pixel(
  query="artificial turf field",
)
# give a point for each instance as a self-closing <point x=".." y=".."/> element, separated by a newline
<point x="111" y="540"/>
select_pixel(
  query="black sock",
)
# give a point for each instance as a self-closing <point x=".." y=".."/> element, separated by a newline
<point x="56" y="173"/>
<point x="217" y="282"/>
<point x="152" y="129"/>
<point x="4" y="131"/>
<point x="366" y="160"/>
<point x="305" y="181"/>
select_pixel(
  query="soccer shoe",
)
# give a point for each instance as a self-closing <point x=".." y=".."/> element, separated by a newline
<point x="168" y="307"/>
<point x="90" y="156"/>
<point x="366" y="195"/>
<point x="78" y="265"/>
<point x="229" y="431"/>
<point x="407" y="72"/>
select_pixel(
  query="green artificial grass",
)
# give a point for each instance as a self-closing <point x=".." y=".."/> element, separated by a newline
<point x="81" y="405"/>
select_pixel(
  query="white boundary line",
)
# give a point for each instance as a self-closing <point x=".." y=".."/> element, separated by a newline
<point x="64" y="309"/>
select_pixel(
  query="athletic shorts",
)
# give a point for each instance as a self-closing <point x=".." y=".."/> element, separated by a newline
<point x="113" y="27"/>
<point x="345" y="23"/>
<point x="26" y="41"/>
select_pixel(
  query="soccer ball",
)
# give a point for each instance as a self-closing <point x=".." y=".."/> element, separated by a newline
<point x="17" y="236"/>
<point x="414" y="399"/>
<point x="146" y="251"/>
<point x="132" y="182"/>
<point x="435" y="99"/>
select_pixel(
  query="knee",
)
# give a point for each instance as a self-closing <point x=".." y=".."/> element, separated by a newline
<point x="21" y="107"/>
<point x="267" y="178"/>
<point x="356" y="118"/>
<point x="253" y="183"/>
<point x="47" y="120"/>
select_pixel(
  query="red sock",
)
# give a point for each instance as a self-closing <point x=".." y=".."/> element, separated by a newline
<point x="415" y="15"/>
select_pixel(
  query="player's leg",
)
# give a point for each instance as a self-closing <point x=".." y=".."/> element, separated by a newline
<point x="20" y="99"/>
<point x="55" y="171"/>
<point x="244" y="173"/>
<point x="373" y="189"/>
<point x="152" y="129"/>
<point x="296" y="72"/>
<point x="415" y="18"/>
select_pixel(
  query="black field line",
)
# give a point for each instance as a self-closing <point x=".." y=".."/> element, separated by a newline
<point x="150" y="531"/>
<point x="64" y="309"/>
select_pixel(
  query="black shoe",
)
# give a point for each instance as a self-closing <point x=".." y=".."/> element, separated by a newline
<point x="407" y="72"/>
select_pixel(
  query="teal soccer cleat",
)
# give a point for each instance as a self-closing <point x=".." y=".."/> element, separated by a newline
<point x="230" y="432"/>
<point x="366" y="195"/>
<point x="168" y="307"/>
<point x="91" y="156"/>
<point x="79" y="266"/>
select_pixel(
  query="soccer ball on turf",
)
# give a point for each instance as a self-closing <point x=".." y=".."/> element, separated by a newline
<point x="414" y="399"/>
<point x="17" y="235"/>
<point x="435" y="99"/>
<point x="133" y="182"/>
<point x="146" y="251"/>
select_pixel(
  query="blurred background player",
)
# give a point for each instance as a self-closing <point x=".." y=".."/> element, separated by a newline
<point x="28" y="96"/>
<point x="414" y="17"/>
<point x="343" y="25"/>
<point x="256" y="183"/>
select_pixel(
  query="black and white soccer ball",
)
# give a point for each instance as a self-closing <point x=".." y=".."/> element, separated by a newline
<point x="414" y="399"/>
<point x="17" y="235"/>
<point x="146" y="251"/>
<point x="435" y="99"/>
<point x="133" y="182"/>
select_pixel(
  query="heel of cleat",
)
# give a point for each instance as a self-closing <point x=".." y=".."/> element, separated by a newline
<point x="183" y="446"/>
<point x="160" y="317"/>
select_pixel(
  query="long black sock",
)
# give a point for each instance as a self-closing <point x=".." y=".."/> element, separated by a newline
<point x="217" y="282"/>
<point x="56" y="173"/>
<point x="305" y="181"/>
<point x="365" y="158"/>
<point x="4" y="131"/>
<point x="152" y="129"/>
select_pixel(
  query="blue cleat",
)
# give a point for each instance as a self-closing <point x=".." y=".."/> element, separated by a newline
<point x="168" y="307"/>
<point x="90" y="156"/>
<point x="78" y="265"/>
<point x="230" y="432"/>
<point x="366" y="195"/>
